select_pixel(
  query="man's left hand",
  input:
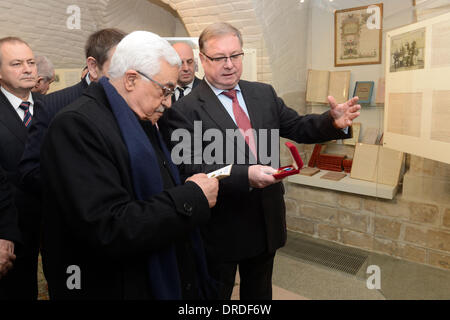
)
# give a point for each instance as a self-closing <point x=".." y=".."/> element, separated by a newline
<point x="344" y="113"/>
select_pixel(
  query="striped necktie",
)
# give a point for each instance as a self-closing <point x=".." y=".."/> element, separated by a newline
<point x="25" y="106"/>
<point x="181" y="90"/>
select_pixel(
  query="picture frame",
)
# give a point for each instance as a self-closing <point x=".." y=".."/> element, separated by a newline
<point x="364" y="90"/>
<point x="358" y="35"/>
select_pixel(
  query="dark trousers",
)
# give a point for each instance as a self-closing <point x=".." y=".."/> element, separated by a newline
<point x="255" y="277"/>
<point x="20" y="283"/>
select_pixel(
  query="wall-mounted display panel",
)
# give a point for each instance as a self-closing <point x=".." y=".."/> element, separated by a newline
<point x="417" y="107"/>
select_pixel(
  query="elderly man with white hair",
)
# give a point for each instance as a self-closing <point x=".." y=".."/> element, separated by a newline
<point x="118" y="222"/>
<point x="45" y="73"/>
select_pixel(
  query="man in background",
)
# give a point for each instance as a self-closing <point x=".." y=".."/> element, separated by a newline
<point x="46" y="75"/>
<point x="99" y="49"/>
<point x="186" y="76"/>
<point x="18" y="105"/>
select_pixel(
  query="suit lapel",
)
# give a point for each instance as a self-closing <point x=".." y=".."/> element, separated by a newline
<point x="214" y="108"/>
<point x="252" y="103"/>
<point x="11" y="120"/>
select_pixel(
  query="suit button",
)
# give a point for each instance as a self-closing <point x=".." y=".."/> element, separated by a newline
<point x="164" y="164"/>
<point x="188" y="286"/>
<point x="188" y="209"/>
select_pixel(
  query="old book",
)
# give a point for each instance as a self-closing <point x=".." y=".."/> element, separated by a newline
<point x="315" y="155"/>
<point x="365" y="162"/>
<point x="377" y="164"/>
<point x="335" y="176"/>
<point x="370" y="136"/>
<point x="322" y="84"/>
<point x="309" y="171"/>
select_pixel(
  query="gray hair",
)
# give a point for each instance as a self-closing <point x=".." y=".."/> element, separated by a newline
<point x="216" y="30"/>
<point x="142" y="51"/>
<point x="45" y="68"/>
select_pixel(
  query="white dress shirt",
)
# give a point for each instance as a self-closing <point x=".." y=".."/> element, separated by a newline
<point x="186" y="91"/>
<point x="227" y="102"/>
<point x="15" y="102"/>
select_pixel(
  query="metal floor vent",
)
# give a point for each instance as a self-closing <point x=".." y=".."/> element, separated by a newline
<point x="338" y="258"/>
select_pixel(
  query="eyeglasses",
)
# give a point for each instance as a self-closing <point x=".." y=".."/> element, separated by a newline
<point x="167" y="92"/>
<point x="222" y="60"/>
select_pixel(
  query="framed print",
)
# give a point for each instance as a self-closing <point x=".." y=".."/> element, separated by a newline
<point x="408" y="51"/>
<point x="364" y="90"/>
<point x="358" y="35"/>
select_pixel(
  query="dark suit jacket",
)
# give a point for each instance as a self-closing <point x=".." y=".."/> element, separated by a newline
<point x="195" y="84"/>
<point x="92" y="218"/>
<point x="163" y="122"/>
<point x="246" y="223"/>
<point x="13" y="136"/>
<point x="29" y="166"/>
<point x="9" y="229"/>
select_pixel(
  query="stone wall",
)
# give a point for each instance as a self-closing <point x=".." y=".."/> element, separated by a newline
<point x="415" y="229"/>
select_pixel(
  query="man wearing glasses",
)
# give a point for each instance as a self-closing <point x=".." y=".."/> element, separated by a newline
<point x="118" y="221"/>
<point x="248" y="223"/>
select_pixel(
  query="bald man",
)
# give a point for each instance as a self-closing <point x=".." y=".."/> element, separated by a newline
<point x="186" y="76"/>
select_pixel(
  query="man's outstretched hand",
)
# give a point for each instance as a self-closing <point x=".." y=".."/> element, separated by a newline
<point x="344" y="113"/>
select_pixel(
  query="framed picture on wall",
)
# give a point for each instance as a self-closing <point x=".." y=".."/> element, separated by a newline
<point x="364" y="90"/>
<point x="358" y="35"/>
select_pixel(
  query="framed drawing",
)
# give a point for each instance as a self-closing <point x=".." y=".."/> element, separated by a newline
<point x="358" y="35"/>
<point x="408" y="51"/>
<point x="364" y="90"/>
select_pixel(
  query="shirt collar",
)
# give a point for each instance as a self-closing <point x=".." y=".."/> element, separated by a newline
<point x="88" y="80"/>
<point x="15" y="101"/>
<point x="189" y="85"/>
<point x="217" y="91"/>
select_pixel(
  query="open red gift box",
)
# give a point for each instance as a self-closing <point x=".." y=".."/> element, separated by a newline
<point x="294" y="168"/>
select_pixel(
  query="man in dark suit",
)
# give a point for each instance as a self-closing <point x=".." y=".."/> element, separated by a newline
<point x="248" y="223"/>
<point x="9" y="230"/>
<point x="115" y="209"/>
<point x="99" y="49"/>
<point x="17" y="106"/>
<point x="187" y="80"/>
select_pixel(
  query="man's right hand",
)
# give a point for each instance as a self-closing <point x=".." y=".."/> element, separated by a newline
<point x="7" y="256"/>
<point x="209" y="186"/>
<point x="261" y="176"/>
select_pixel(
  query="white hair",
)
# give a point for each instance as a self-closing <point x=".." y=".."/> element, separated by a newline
<point x="45" y="68"/>
<point x="142" y="51"/>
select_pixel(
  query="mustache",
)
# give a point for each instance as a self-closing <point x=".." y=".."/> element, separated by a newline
<point x="160" y="109"/>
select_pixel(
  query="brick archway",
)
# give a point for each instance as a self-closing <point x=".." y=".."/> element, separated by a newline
<point x="197" y="14"/>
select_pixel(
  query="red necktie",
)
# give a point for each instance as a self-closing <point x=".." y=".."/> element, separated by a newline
<point x="242" y="121"/>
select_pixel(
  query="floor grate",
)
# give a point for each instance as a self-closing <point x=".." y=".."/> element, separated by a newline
<point x="338" y="258"/>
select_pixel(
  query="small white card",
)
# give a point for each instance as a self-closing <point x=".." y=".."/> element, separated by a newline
<point x="220" y="173"/>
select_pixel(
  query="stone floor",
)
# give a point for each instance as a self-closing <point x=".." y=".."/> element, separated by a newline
<point x="297" y="279"/>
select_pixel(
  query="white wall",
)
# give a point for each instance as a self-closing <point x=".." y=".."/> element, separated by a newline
<point x="43" y="24"/>
<point x="321" y="46"/>
<point x="320" y="51"/>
